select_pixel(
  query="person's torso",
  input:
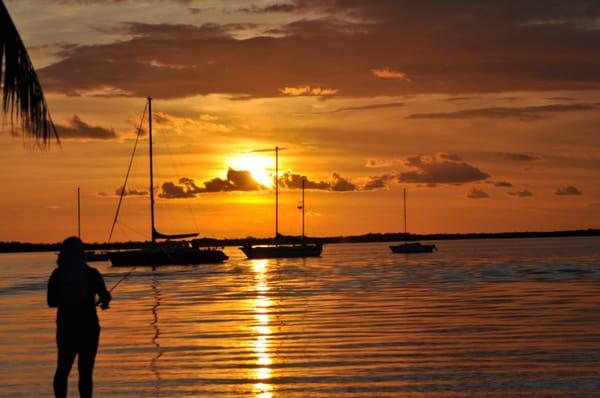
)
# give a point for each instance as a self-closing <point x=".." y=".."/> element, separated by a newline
<point x="76" y="296"/>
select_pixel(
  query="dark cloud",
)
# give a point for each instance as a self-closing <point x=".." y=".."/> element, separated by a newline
<point x="77" y="128"/>
<point x="450" y="156"/>
<point x="520" y="157"/>
<point x="272" y="8"/>
<point x="170" y="190"/>
<point x="477" y="194"/>
<point x="338" y="183"/>
<point x="568" y="190"/>
<point x="130" y="192"/>
<point x="528" y="113"/>
<point x="236" y="180"/>
<point x="242" y="181"/>
<point x="340" y="49"/>
<point x="378" y="182"/>
<point x="567" y="99"/>
<point x="439" y="169"/>
<point x="342" y="184"/>
<point x="503" y="184"/>
<point x="521" y="194"/>
<point x="117" y="1"/>
<point x="366" y="107"/>
<point x="458" y="99"/>
<point x="378" y="163"/>
<point x="291" y="180"/>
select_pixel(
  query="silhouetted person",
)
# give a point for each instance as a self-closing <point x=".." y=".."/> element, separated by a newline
<point x="72" y="288"/>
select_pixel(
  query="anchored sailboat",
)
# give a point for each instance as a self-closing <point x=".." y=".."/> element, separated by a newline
<point x="169" y="253"/>
<point x="413" y="247"/>
<point x="302" y="249"/>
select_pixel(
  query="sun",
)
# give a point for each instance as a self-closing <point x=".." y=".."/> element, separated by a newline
<point x="258" y="166"/>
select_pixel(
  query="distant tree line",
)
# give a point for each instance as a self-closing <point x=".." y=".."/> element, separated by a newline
<point x="17" y="247"/>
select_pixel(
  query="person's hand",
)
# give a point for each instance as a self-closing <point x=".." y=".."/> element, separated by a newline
<point x="104" y="305"/>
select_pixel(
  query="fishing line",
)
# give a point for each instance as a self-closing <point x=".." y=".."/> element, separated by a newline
<point x="122" y="279"/>
<point x="119" y="282"/>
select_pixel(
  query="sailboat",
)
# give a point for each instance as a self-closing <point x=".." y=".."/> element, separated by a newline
<point x="169" y="253"/>
<point x="413" y="247"/>
<point x="302" y="249"/>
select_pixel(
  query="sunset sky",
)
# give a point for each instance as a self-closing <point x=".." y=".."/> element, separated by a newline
<point x="487" y="112"/>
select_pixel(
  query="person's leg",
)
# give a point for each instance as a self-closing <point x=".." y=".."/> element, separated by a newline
<point x="87" y="357"/>
<point x="66" y="356"/>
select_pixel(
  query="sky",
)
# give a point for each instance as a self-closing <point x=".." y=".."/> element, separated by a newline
<point x="486" y="112"/>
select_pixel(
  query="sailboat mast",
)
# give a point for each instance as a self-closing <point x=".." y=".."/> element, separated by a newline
<point x="78" y="213"/>
<point x="151" y="168"/>
<point x="303" y="206"/>
<point x="405" y="237"/>
<point x="276" y="195"/>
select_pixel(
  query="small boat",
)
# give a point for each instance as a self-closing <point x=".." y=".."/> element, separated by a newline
<point x="413" y="247"/>
<point x="283" y="251"/>
<point x="301" y="249"/>
<point x="162" y="253"/>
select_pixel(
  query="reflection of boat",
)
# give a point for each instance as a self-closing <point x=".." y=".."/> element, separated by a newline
<point x="155" y="338"/>
<point x="301" y="249"/>
<point x="413" y="247"/>
<point x="170" y="253"/>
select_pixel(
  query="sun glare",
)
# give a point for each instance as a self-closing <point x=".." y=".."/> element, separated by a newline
<point x="259" y="166"/>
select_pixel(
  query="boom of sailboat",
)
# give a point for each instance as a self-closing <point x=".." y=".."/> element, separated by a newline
<point x="164" y="249"/>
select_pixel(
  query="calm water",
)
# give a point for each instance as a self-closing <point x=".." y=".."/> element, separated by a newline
<point x="490" y="318"/>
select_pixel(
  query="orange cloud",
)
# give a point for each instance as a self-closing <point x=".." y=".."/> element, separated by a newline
<point x="386" y="73"/>
<point x="307" y="90"/>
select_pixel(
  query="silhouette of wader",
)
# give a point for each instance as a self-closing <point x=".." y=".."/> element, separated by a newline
<point x="73" y="288"/>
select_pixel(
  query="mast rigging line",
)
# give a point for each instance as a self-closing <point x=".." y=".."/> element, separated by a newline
<point x="137" y="139"/>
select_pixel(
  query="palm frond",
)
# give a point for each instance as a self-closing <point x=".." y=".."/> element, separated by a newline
<point x="22" y="96"/>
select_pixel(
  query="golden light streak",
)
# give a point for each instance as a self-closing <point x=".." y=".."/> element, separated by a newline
<point x="261" y="306"/>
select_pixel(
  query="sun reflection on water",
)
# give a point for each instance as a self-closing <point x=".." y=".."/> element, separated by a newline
<point x="262" y="329"/>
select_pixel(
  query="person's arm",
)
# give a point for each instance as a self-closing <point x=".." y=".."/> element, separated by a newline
<point x="103" y="293"/>
<point x="52" y="293"/>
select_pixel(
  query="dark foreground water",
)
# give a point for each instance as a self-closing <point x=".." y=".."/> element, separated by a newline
<point x="487" y="318"/>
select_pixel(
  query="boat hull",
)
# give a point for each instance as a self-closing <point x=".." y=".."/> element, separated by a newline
<point x="92" y="256"/>
<point x="165" y="256"/>
<point x="412" y="248"/>
<point x="282" y="251"/>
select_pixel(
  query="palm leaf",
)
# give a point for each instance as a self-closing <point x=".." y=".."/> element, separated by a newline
<point x="22" y="96"/>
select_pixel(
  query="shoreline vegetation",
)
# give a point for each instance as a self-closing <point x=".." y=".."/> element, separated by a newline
<point x="24" y="247"/>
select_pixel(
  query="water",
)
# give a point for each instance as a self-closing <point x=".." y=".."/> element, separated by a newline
<point x="487" y="318"/>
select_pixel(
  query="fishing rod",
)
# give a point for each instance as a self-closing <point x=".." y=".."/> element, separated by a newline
<point x="119" y="282"/>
